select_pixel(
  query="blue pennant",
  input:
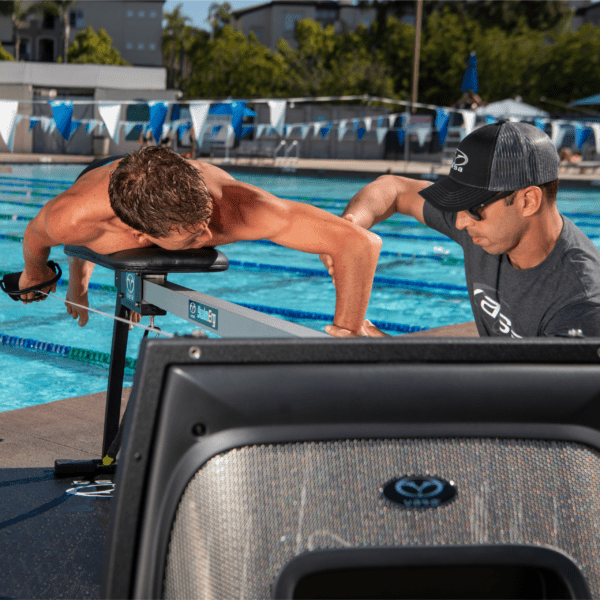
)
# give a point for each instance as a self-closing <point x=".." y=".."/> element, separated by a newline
<point x="158" y="114"/>
<point x="62" y="111"/>
<point x="401" y="133"/>
<point x="360" y="131"/>
<point x="442" y="118"/>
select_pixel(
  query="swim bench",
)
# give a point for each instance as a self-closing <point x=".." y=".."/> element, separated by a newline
<point x="142" y="287"/>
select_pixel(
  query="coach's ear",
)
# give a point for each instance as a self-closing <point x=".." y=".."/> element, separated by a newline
<point x="530" y="200"/>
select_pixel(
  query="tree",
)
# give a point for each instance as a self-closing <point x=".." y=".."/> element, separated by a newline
<point x="94" y="48"/>
<point x="177" y="41"/>
<point x="20" y="11"/>
<point x="233" y="66"/>
<point x="327" y="63"/>
<point x="62" y="9"/>
<point x="219" y="15"/>
<point x="4" y="55"/>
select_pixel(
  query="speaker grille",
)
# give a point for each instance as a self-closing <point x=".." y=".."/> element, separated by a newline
<point x="247" y="512"/>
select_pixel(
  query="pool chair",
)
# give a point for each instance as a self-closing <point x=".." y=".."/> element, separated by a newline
<point x="396" y="468"/>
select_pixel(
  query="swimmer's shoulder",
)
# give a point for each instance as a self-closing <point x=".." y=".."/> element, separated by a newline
<point x="211" y="172"/>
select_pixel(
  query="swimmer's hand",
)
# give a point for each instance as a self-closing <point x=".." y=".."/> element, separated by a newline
<point x="327" y="260"/>
<point x="367" y="330"/>
<point x="78" y="295"/>
<point x="25" y="282"/>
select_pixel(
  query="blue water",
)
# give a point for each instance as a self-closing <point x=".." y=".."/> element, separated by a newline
<point x="411" y="252"/>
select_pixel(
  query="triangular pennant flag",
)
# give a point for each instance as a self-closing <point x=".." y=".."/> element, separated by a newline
<point x="316" y="128"/>
<point x="74" y="127"/>
<point x="379" y="121"/>
<point x="558" y="133"/>
<point x="469" y="120"/>
<point x="277" y="108"/>
<point x="45" y="121"/>
<point x="90" y="126"/>
<point x="422" y="134"/>
<point x="52" y="126"/>
<point x="368" y="121"/>
<point x="158" y="114"/>
<point x="62" y="111"/>
<point x="355" y="123"/>
<point x="381" y="131"/>
<point x="540" y="123"/>
<point x="581" y="134"/>
<point x="246" y="129"/>
<point x="128" y="127"/>
<point x="489" y="119"/>
<point x="215" y="130"/>
<point x="304" y="129"/>
<point x="325" y="130"/>
<point x="199" y="112"/>
<point x="360" y="132"/>
<point x="401" y="133"/>
<point x="342" y="128"/>
<point x="33" y="121"/>
<point x="260" y="129"/>
<point x="442" y="117"/>
<point x="166" y="130"/>
<point x="110" y="114"/>
<point x="595" y="127"/>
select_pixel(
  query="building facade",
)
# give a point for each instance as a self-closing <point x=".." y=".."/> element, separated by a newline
<point x="135" y="27"/>
<point x="277" y="20"/>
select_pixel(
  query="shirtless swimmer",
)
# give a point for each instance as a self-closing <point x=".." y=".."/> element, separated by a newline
<point x="155" y="197"/>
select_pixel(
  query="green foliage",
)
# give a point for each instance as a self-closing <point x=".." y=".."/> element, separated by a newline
<point x="332" y="64"/>
<point x="4" y="55"/>
<point x="232" y="65"/>
<point x="90" y="47"/>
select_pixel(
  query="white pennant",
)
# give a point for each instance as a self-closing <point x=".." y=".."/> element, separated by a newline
<point x="381" y="131"/>
<point x="288" y="130"/>
<point x="316" y="128"/>
<point x="110" y="114"/>
<point x="277" y="108"/>
<point x="260" y="130"/>
<point x="422" y="134"/>
<point x="199" y="112"/>
<point x="469" y="120"/>
<point x="368" y="121"/>
<point x="304" y="129"/>
<point x="558" y="133"/>
<point x="8" y="119"/>
<point x="342" y="128"/>
<point x="45" y="121"/>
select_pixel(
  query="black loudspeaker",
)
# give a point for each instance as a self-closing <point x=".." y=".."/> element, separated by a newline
<point x="400" y="468"/>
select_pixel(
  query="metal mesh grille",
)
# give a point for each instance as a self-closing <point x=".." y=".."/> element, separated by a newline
<point x="247" y="512"/>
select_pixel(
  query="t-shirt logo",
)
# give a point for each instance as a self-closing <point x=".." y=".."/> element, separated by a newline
<point x="502" y="325"/>
<point x="460" y="160"/>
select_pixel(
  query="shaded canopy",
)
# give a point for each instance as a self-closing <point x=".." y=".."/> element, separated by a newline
<point x="595" y="99"/>
<point x="510" y="108"/>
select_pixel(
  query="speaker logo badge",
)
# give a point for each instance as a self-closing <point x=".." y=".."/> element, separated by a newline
<point x="419" y="491"/>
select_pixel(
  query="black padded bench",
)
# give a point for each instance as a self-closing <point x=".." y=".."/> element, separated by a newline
<point x="131" y="267"/>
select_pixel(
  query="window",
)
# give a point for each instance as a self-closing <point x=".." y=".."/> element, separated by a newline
<point x="24" y="49"/>
<point x="140" y="46"/>
<point x="152" y="47"/>
<point x="153" y="14"/>
<point x="137" y="112"/>
<point x="259" y="34"/>
<point x="76" y="18"/>
<point x="46" y="50"/>
<point x="48" y="21"/>
<point x="128" y="45"/>
<point x="141" y="14"/>
<point x="290" y="21"/>
<point x="129" y="13"/>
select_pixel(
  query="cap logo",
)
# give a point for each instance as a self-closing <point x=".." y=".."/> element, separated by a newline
<point x="460" y="160"/>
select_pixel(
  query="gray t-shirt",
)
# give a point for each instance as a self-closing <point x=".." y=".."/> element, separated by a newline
<point x="558" y="296"/>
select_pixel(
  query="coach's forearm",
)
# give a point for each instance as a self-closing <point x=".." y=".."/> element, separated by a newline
<point x="355" y="268"/>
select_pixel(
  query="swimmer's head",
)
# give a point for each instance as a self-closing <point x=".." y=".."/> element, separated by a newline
<point x="156" y="191"/>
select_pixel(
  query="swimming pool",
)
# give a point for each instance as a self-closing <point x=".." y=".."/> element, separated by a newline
<point x="420" y="282"/>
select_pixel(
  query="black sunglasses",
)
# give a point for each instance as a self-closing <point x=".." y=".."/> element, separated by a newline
<point x="473" y="210"/>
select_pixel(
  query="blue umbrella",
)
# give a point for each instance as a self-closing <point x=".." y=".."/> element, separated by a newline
<point x="589" y="100"/>
<point x="470" y="81"/>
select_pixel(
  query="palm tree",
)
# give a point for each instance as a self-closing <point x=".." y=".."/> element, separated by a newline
<point x="62" y="10"/>
<point x="19" y="11"/>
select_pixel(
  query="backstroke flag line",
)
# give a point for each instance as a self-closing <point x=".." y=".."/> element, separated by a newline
<point x="110" y="115"/>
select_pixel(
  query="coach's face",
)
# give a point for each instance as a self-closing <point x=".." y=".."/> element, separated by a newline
<point x="501" y="227"/>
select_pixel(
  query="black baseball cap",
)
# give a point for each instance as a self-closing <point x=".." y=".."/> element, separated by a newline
<point x="501" y="157"/>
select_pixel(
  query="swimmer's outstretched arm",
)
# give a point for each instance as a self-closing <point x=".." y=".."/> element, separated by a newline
<point x="50" y="228"/>
<point x="374" y="203"/>
<point x="354" y="250"/>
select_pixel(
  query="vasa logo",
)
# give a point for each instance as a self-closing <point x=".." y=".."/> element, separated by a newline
<point x="460" y="160"/>
<point x="419" y="491"/>
<point x="502" y="324"/>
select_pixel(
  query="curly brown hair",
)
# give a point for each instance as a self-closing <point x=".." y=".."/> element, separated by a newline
<point x="156" y="191"/>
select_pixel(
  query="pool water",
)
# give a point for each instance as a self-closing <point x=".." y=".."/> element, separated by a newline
<point x="420" y="281"/>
